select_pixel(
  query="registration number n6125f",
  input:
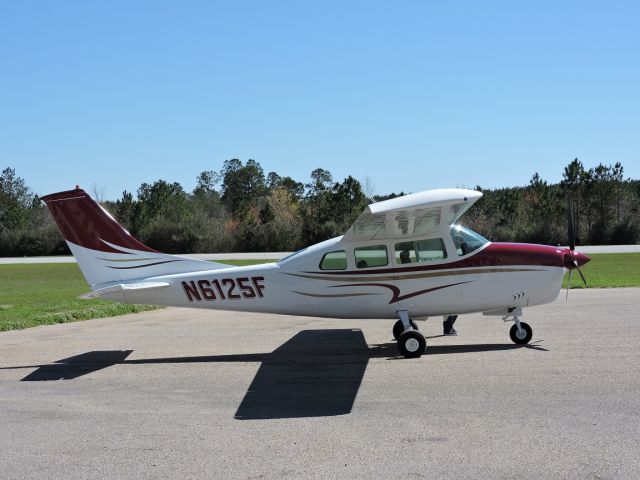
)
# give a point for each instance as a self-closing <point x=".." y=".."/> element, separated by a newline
<point x="232" y="288"/>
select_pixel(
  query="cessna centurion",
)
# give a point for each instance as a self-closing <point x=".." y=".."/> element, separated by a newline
<point x="403" y="258"/>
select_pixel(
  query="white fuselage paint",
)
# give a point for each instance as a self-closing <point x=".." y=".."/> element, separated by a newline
<point x="296" y="286"/>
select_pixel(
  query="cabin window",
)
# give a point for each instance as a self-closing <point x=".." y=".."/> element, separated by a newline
<point x="372" y="256"/>
<point x="465" y="240"/>
<point x="334" y="261"/>
<point x="405" y="252"/>
<point x="430" y="250"/>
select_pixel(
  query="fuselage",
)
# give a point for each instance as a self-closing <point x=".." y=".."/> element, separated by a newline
<point x="493" y="277"/>
<point x="402" y="258"/>
<point x="405" y="254"/>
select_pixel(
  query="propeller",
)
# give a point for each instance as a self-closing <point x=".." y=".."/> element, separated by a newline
<point x="575" y="262"/>
<point x="572" y="246"/>
<point x="572" y="231"/>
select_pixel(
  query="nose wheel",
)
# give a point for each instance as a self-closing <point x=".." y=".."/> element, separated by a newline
<point x="411" y="343"/>
<point x="520" y="332"/>
<point x="521" y="336"/>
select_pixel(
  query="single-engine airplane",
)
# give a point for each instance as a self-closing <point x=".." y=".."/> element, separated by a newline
<point x="404" y="258"/>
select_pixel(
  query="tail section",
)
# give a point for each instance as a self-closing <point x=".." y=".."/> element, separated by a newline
<point x="105" y="251"/>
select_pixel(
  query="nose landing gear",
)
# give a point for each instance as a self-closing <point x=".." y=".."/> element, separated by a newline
<point x="521" y="336"/>
<point x="411" y="343"/>
<point x="520" y="333"/>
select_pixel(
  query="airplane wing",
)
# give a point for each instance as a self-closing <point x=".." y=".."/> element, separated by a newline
<point x="411" y="215"/>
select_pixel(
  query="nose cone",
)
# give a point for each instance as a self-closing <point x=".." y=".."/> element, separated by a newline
<point x="581" y="258"/>
<point x="571" y="257"/>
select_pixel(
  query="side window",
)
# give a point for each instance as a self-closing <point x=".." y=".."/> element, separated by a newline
<point x="431" y="250"/>
<point x="405" y="252"/>
<point x="373" y="256"/>
<point x="334" y="261"/>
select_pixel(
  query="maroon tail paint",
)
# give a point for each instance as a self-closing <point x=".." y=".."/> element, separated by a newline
<point x="83" y="222"/>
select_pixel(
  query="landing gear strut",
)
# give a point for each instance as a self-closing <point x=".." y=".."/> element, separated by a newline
<point x="520" y="332"/>
<point x="411" y="343"/>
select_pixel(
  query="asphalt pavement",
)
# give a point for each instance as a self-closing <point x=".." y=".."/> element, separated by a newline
<point x="180" y="393"/>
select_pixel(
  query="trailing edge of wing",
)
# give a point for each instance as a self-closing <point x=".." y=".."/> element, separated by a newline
<point x="124" y="287"/>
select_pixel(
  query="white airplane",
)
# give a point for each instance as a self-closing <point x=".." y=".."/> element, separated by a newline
<point x="403" y="258"/>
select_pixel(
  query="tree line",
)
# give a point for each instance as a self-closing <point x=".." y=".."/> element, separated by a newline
<point x="239" y="208"/>
<point x="595" y="206"/>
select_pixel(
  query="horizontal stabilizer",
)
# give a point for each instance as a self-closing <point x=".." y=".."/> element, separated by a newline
<point x="122" y="288"/>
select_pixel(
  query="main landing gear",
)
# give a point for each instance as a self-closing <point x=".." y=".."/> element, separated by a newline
<point x="520" y="332"/>
<point x="398" y="328"/>
<point x="411" y="343"/>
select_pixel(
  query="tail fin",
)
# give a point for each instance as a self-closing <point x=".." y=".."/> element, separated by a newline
<point x="105" y="251"/>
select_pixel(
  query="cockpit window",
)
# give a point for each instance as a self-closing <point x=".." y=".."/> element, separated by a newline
<point x="465" y="240"/>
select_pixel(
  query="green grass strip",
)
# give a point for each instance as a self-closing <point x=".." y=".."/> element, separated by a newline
<point x="609" y="270"/>
<point x="44" y="294"/>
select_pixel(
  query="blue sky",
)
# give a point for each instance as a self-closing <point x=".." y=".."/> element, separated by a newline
<point x="413" y="95"/>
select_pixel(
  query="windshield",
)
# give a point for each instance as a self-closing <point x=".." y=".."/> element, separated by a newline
<point x="465" y="240"/>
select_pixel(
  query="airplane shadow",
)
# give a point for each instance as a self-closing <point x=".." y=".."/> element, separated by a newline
<point x="483" y="347"/>
<point x="77" y="365"/>
<point x="314" y="374"/>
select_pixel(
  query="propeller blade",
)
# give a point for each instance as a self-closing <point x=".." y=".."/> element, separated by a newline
<point x="572" y="231"/>
<point x="575" y="262"/>
<point x="568" y="284"/>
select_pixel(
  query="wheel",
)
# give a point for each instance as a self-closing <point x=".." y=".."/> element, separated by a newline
<point x="522" y="337"/>
<point x="398" y="328"/>
<point x="411" y="344"/>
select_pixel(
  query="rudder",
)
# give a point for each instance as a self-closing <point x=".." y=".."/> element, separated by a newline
<point x="105" y="251"/>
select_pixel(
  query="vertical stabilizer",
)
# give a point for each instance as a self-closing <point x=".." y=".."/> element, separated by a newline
<point x="105" y="251"/>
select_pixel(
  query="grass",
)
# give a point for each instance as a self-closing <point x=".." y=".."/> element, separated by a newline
<point x="609" y="270"/>
<point x="40" y="294"/>
<point x="47" y="293"/>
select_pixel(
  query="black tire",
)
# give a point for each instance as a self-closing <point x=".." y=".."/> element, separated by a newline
<point x="411" y="344"/>
<point x="513" y="333"/>
<point x="398" y="328"/>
